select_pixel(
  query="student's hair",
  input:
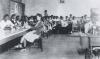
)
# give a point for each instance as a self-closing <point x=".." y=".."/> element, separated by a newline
<point x="70" y="15"/>
<point x="85" y="15"/>
<point x="56" y="17"/>
<point x="38" y="14"/>
<point x="13" y="15"/>
<point x="66" y="17"/>
<point x="34" y="17"/>
<point x="45" y="10"/>
<point x="17" y="17"/>
<point x="61" y="17"/>
<point x="31" y="17"/>
<point x="6" y="15"/>
<point x="42" y="19"/>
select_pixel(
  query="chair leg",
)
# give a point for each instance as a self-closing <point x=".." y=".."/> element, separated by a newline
<point x="40" y="44"/>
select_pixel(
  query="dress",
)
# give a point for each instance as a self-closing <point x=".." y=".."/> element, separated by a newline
<point x="33" y="35"/>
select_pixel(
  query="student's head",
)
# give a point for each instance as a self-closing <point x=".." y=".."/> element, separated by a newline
<point x="66" y="17"/>
<point x="6" y="17"/>
<point x="31" y="18"/>
<point x="70" y="15"/>
<point x="42" y="19"/>
<point x="34" y="18"/>
<point x="61" y="17"/>
<point x="13" y="16"/>
<point x="51" y="16"/>
<point x="48" y="17"/>
<point x="39" y="16"/>
<point x="45" y="11"/>
<point x="56" y="17"/>
<point x="17" y="18"/>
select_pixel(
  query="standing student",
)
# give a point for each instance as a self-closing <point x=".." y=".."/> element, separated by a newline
<point x="70" y="17"/>
<point x="45" y="13"/>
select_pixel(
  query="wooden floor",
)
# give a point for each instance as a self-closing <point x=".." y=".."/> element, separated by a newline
<point x="57" y="46"/>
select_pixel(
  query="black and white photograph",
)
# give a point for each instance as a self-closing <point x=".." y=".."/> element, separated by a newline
<point x="49" y="29"/>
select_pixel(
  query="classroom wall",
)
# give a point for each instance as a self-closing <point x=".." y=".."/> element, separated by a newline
<point x="76" y="7"/>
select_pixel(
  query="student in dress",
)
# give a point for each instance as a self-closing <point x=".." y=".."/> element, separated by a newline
<point x="6" y="24"/>
<point x="33" y="35"/>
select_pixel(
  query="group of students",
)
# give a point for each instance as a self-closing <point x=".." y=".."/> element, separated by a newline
<point x="41" y="25"/>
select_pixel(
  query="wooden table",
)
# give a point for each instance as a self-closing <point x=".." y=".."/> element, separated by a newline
<point x="8" y="38"/>
<point x="5" y="37"/>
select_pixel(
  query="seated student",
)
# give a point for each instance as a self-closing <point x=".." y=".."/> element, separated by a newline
<point x="13" y="19"/>
<point x="35" y="19"/>
<point x="34" y="34"/>
<point x="18" y="20"/>
<point x="31" y="21"/>
<point x="66" y="18"/>
<point x="6" y="24"/>
<point x="64" y="23"/>
<point x="23" y="20"/>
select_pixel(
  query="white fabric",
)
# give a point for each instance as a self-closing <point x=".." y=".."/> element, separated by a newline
<point x="4" y="24"/>
<point x="30" y="36"/>
<point x="64" y="23"/>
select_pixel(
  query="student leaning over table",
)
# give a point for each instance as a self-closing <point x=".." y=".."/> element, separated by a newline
<point x="6" y="24"/>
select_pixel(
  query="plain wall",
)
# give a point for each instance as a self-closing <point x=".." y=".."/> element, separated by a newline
<point x="75" y="7"/>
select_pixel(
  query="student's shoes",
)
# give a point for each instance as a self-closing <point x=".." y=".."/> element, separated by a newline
<point x="23" y="50"/>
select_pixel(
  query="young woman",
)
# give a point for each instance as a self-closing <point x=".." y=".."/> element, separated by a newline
<point x="33" y="35"/>
<point x="13" y="19"/>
